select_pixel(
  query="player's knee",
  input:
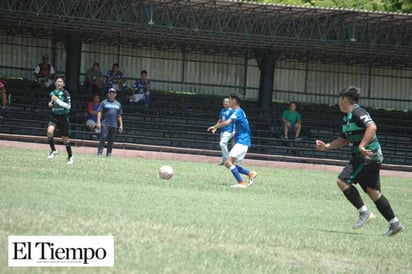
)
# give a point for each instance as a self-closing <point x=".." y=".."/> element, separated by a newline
<point x="342" y="184"/>
<point x="298" y="125"/>
<point x="228" y="163"/>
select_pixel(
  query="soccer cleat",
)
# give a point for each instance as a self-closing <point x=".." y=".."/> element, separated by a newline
<point x="364" y="217"/>
<point x="252" y="177"/>
<point x="70" y="160"/>
<point x="52" y="154"/>
<point x="394" y="229"/>
<point x="239" y="185"/>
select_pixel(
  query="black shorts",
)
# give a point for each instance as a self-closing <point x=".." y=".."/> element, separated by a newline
<point x="364" y="172"/>
<point x="62" y="123"/>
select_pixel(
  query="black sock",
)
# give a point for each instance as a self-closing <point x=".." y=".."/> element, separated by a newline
<point x="50" y="140"/>
<point x="353" y="196"/>
<point x="384" y="207"/>
<point x="69" y="149"/>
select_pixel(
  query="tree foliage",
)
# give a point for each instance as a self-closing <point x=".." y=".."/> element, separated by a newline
<point x="404" y="6"/>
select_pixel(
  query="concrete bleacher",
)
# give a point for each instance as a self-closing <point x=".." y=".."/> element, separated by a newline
<point x="176" y="120"/>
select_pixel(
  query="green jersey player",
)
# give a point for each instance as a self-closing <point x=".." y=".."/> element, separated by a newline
<point x="60" y="104"/>
<point x="359" y="132"/>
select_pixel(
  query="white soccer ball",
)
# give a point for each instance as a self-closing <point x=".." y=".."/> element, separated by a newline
<point x="166" y="172"/>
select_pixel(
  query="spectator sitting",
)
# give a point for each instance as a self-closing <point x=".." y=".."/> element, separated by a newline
<point x="94" y="80"/>
<point x="44" y="73"/>
<point x="3" y="94"/>
<point x="116" y="79"/>
<point x="142" y="90"/>
<point x="292" y="122"/>
<point x="91" y="121"/>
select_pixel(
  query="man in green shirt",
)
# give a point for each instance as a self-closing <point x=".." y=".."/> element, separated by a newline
<point x="292" y="122"/>
<point x="359" y="132"/>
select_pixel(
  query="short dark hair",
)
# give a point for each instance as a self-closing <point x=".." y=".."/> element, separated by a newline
<point x="351" y="92"/>
<point x="236" y="97"/>
<point x="143" y="71"/>
<point x="293" y="102"/>
<point x="96" y="64"/>
<point x="115" y="64"/>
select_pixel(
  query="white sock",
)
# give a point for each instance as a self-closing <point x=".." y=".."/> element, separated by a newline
<point x="363" y="209"/>
<point x="394" y="220"/>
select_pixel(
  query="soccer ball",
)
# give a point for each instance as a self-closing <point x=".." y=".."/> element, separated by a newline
<point x="166" y="172"/>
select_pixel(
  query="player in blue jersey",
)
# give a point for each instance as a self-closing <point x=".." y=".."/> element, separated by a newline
<point x="109" y="118"/>
<point x="242" y="143"/>
<point x="226" y="133"/>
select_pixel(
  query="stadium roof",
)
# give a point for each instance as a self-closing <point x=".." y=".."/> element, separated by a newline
<point x="221" y="27"/>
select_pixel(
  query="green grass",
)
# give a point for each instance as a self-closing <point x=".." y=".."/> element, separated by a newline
<point x="291" y="221"/>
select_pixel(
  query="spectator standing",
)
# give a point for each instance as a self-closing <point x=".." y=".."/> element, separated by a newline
<point x="109" y="118"/>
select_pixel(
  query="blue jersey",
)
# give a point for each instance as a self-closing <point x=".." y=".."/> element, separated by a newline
<point x="141" y="86"/>
<point x="225" y="114"/>
<point x="110" y="112"/>
<point x="117" y="76"/>
<point x="242" y="135"/>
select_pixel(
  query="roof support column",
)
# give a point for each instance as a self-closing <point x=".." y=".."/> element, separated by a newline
<point x="73" y="45"/>
<point x="266" y="64"/>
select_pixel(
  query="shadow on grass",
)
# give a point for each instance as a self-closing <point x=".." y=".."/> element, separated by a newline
<point x="339" y="232"/>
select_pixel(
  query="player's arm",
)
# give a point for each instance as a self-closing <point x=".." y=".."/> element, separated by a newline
<point x="64" y="104"/>
<point x="337" y="143"/>
<point x="219" y="125"/>
<point x="364" y="119"/>
<point x="369" y="133"/>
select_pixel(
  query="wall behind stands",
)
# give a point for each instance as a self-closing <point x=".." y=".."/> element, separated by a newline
<point x="20" y="55"/>
<point x="218" y="75"/>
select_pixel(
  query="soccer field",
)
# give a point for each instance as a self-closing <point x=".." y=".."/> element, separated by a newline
<point x="290" y="221"/>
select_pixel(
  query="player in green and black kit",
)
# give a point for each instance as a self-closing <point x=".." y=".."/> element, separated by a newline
<point x="60" y="104"/>
<point x="359" y="131"/>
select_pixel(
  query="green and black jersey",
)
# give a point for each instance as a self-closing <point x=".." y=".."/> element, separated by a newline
<point x="63" y="104"/>
<point x="353" y="129"/>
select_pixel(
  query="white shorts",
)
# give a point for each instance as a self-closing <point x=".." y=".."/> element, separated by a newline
<point x="91" y="123"/>
<point x="138" y="97"/>
<point x="238" y="151"/>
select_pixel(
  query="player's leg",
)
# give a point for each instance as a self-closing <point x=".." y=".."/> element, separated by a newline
<point x="103" y="136"/>
<point x="224" y="141"/>
<point x="230" y="164"/>
<point x="64" y="126"/>
<point x="345" y="181"/>
<point x="371" y="183"/>
<point x="251" y="174"/>
<point x="50" y="139"/>
<point x="110" y="140"/>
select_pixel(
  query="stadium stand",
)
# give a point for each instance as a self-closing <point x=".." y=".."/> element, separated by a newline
<point x="176" y="120"/>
